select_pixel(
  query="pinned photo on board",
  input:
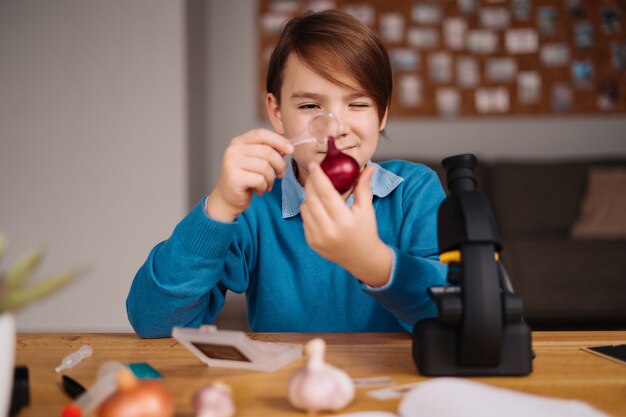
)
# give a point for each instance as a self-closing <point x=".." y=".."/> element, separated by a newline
<point x="273" y="22"/>
<point x="555" y="54"/>
<point x="576" y="8"/>
<point x="562" y="97"/>
<point x="492" y="100"/>
<point x="448" y="101"/>
<point x="618" y="55"/>
<point x="582" y="73"/>
<point x="467" y="6"/>
<point x="454" y="30"/>
<point x="521" y="41"/>
<point x="546" y="20"/>
<point x="482" y="41"/>
<point x="422" y="38"/>
<point x="611" y="20"/>
<point x="521" y="9"/>
<point x="410" y="90"/>
<point x="608" y="95"/>
<point x="440" y="67"/>
<point x="362" y="11"/>
<point x="426" y="14"/>
<point x="500" y="69"/>
<point x="583" y="35"/>
<point x="467" y="71"/>
<point x="392" y="27"/>
<point x="404" y="59"/>
<point x="320" y="5"/>
<point x="528" y="87"/>
<point x="284" y="6"/>
<point x="495" y="18"/>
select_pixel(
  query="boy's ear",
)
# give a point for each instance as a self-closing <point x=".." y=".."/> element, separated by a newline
<point x="273" y="111"/>
<point x="383" y="122"/>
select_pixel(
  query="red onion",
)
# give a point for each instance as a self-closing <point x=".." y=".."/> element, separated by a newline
<point x="342" y="169"/>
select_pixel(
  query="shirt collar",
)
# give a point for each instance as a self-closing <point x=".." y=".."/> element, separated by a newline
<point x="383" y="183"/>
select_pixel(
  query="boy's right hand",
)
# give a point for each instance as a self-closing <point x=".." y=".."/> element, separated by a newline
<point x="251" y="163"/>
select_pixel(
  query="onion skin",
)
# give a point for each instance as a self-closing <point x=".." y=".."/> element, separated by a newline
<point x="342" y="170"/>
<point x="138" y="399"/>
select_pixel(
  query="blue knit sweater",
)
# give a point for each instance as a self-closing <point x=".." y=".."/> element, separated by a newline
<point x="289" y="287"/>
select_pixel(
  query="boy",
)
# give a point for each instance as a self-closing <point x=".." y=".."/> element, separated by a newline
<point x="308" y="258"/>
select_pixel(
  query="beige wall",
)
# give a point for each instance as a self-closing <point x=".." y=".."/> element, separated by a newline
<point x="92" y="145"/>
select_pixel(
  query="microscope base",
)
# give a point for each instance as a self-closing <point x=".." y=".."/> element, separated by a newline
<point x="435" y="351"/>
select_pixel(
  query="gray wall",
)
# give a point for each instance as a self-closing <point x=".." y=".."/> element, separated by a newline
<point x="92" y="146"/>
<point x="112" y="125"/>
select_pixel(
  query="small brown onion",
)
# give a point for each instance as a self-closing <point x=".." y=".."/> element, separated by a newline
<point x="342" y="170"/>
<point x="136" y="398"/>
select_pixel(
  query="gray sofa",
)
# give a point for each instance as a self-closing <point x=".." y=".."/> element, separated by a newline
<point x="564" y="282"/>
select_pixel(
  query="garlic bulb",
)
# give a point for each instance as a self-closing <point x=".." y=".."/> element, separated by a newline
<point x="214" y="400"/>
<point x="318" y="386"/>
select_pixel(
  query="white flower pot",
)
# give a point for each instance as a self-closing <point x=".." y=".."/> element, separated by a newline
<point x="7" y="361"/>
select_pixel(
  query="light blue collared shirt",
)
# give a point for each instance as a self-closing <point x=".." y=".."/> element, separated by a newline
<point x="383" y="183"/>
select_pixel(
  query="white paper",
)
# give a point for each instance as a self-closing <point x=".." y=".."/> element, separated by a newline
<point x="445" y="397"/>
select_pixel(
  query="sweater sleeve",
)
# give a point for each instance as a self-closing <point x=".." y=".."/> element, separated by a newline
<point x="416" y="264"/>
<point x="182" y="283"/>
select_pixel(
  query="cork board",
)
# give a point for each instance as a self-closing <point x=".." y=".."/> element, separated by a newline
<point x="485" y="58"/>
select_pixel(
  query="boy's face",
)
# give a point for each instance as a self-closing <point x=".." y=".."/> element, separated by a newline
<point x="305" y="93"/>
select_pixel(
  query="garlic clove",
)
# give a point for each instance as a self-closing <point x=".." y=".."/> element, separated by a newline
<point x="319" y="386"/>
<point x="214" y="400"/>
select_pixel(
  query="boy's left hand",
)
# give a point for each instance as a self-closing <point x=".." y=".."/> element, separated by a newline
<point x="346" y="235"/>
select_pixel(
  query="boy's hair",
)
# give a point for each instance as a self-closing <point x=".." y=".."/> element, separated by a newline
<point x="333" y="42"/>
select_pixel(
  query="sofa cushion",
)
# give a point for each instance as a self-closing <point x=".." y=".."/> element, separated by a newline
<point x="603" y="209"/>
<point x="569" y="282"/>
<point x="538" y="199"/>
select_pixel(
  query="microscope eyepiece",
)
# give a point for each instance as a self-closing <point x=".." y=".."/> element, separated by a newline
<point x="460" y="172"/>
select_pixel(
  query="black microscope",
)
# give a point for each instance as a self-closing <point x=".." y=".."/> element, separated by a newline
<point x="480" y="330"/>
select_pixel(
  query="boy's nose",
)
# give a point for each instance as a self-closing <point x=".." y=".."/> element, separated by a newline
<point x="343" y="127"/>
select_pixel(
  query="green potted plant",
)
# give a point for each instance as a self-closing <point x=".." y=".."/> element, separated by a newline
<point x="15" y="292"/>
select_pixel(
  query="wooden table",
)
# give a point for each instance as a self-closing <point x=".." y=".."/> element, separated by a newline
<point x="561" y="369"/>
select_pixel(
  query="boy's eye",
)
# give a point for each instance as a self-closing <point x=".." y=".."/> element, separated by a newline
<point x="308" y="106"/>
<point x="360" y="105"/>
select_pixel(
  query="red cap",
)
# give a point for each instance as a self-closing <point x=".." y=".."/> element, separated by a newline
<point x="71" y="410"/>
